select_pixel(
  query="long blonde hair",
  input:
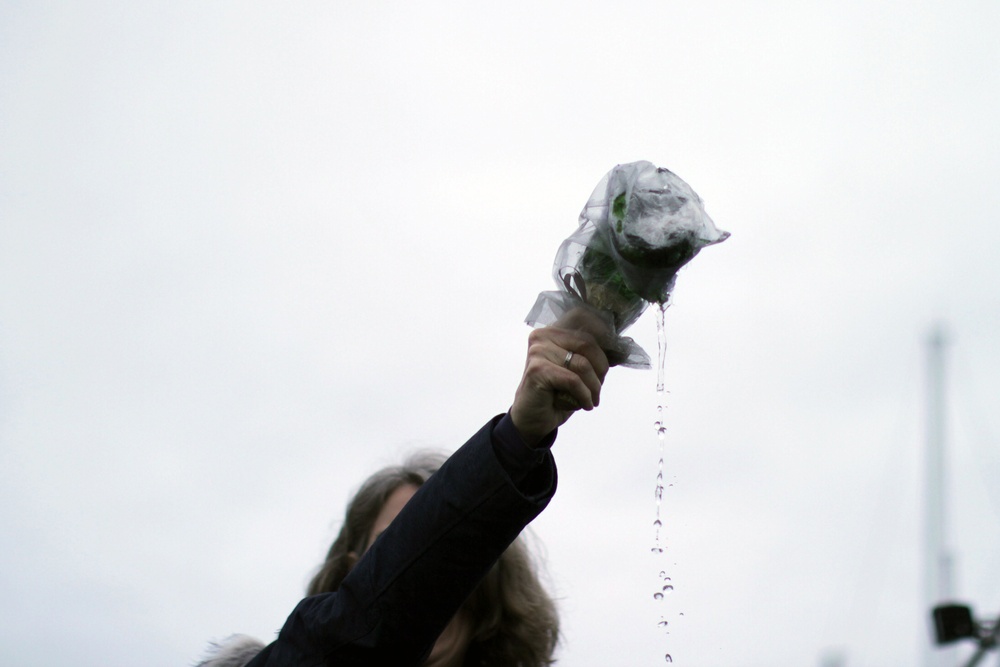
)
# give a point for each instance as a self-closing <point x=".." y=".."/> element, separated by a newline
<point x="514" y="619"/>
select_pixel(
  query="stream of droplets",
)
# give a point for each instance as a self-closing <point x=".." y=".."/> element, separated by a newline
<point x="663" y="582"/>
<point x="661" y="429"/>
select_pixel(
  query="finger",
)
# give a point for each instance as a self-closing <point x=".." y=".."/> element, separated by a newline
<point x="564" y="402"/>
<point x="580" y="364"/>
<point x="591" y="372"/>
<point x="547" y="349"/>
<point x="556" y="342"/>
<point x="570" y="382"/>
<point x="546" y="372"/>
<point x="569" y="392"/>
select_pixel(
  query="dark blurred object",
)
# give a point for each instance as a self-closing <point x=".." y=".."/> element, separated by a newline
<point x="953" y="622"/>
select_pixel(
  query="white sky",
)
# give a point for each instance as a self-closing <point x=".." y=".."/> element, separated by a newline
<point x="250" y="252"/>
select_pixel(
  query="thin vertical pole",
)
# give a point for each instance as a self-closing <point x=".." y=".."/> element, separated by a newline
<point x="937" y="564"/>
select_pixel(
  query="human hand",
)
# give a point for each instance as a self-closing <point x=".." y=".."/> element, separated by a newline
<point x="564" y="371"/>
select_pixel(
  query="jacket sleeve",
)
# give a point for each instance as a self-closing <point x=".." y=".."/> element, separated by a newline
<point x="396" y="601"/>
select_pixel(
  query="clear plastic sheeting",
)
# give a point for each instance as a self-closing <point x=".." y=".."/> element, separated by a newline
<point x="639" y="227"/>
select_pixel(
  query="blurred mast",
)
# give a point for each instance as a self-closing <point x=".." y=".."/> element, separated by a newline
<point x="937" y="564"/>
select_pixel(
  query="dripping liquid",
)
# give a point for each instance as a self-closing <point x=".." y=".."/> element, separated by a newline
<point x="663" y="586"/>
<point x="659" y="425"/>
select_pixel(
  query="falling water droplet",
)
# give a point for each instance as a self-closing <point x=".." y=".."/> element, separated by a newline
<point x="657" y="595"/>
<point x="657" y="550"/>
<point x="668" y="588"/>
<point x="668" y="658"/>
<point x="663" y="574"/>
<point x="662" y="624"/>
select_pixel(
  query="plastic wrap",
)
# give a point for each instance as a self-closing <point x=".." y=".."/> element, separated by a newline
<point x="639" y="227"/>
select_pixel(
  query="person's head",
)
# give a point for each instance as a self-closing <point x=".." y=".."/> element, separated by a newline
<point x="508" y="620"/>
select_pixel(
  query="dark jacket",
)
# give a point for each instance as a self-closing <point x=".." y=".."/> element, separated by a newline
<point x="393" y="605"/>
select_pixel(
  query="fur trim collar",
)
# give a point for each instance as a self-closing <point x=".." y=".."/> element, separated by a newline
<point x="233" y="651"/>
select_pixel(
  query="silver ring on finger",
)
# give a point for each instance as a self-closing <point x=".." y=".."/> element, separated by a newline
<point x="568" y="359"/>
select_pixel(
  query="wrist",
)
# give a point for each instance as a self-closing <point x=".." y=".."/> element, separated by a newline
<point x="530" y="434"/>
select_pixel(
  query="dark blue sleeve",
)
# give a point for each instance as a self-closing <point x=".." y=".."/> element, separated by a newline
<point x="525" y="465"/>
<point x="396" y="601"/>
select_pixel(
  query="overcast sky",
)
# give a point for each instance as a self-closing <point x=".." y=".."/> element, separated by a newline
<point x="250" y="252"/>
